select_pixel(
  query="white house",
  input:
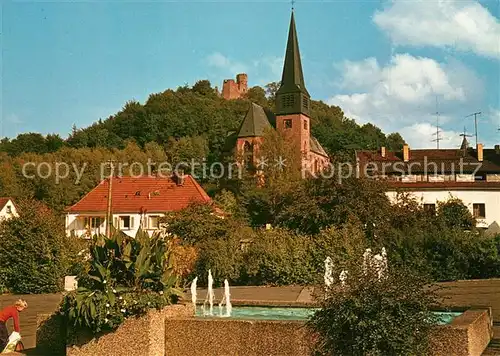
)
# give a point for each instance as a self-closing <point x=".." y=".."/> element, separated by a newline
<point x="7" y="209"/>
<point x="135" y="202"/>
<point x="432" y="175"/>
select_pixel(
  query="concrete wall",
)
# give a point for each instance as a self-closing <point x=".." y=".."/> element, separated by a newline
<point x="490" y="198"/>
<point x="206" y="337"/>
<point x="135" y="337"/>
<point x="468" y="335"/>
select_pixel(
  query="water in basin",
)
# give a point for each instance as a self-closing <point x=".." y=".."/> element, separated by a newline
<point x="291" y="313"/>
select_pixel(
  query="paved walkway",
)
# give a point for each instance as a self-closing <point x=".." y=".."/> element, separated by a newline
<point x="474" y="293"/>
<point x="37" y="304"/>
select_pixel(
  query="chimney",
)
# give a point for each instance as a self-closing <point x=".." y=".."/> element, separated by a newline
<point x="497" y="149"/>
<point x="179" y="177"/>
<point x="382" y="152"/>
<point x="406" y="152"/>
<point x="480" y="152"/>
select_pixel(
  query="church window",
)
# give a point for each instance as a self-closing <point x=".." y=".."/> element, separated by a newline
<point x="305" y="124"/>
<point x="305" y="102"/>
<point x="288" y="123"/>
<point x="288" y="101"/>
<point x="248" y="154"/>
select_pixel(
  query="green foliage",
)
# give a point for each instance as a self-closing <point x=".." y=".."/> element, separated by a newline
<point x="368" y="316"/>
<point x="455" y="214"/>
<point x="126" y="276"/>
<point x="35" y="253"/>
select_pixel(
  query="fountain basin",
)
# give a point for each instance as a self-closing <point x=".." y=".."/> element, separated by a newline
<point x="294" y="313"/>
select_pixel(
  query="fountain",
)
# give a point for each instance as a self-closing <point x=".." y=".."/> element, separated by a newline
<point x="193" y="292"/>
<point x="328" y="272"/>
<point x="227" y="296"/>
<point x="210" y="295"/>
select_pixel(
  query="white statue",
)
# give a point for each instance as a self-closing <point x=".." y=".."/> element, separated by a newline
<point x="328" y="272"/>
<point x="343" y="277"/>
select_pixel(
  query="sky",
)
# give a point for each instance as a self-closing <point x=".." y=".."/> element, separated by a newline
<point x="394" y="63"/>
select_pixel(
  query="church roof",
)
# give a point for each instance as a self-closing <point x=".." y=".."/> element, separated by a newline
<point x="316" y="146"/>
<point x="292" y="79"/>
<point x="465" y="144"/>
<point x="255" y="123"/>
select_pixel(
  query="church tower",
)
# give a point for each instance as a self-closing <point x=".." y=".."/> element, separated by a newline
<point x="292" y="98"/>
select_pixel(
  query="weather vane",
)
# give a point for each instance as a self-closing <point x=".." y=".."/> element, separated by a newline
<point x="293" y="4"/>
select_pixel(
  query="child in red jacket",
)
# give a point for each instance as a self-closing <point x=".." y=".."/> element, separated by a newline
<point x="11" y="311"/>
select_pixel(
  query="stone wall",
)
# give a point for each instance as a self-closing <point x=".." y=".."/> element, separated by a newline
<point x="135" y="337"/>
<point x="468" y="335"/>
<point x="206" y="337"/>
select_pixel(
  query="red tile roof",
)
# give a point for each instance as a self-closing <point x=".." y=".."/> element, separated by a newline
<point x="425" y="160"/>
<point x="142" y="194"/>
<point x="451" y="185"/>
<point x="4" y="201"/>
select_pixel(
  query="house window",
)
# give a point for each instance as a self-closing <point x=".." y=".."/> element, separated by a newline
<point x="479" y="211"/>
<point x="126" y="222"/>
<point x="93" y="222"/>
<point x="9" y="209"/>
<point x="430" y="209"/>
<point x="288" y="123"/>
<point x="154" y="222"/>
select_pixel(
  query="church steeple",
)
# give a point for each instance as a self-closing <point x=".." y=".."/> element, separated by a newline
<point x="292" y="97"/>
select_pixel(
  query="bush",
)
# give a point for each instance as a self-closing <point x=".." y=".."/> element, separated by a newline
<point x="368" y="316"/>
<point x="279" y="257"/>
<point x="126" y="276"/>
<point x="35" y="253"/>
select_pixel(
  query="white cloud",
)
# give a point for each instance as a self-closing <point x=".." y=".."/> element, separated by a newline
<point x="422" y="135"/>
<point x="13" y="119"/>
<point x="260" y="71"/>
<point x="220" y="61"/>
<point x="401" y="96"/>
<point x="463" y="25"/>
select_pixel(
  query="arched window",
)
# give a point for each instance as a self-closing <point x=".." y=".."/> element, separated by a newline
<point x="248" y="154"/>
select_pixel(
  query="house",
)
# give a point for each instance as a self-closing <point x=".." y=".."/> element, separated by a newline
<point x="292" y="118"/>
<point x="432" y="175"/>
<point x="135" y="202"/>
<point x="7" y="209"/>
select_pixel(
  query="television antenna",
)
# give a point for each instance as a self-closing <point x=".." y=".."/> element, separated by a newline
<point x="438" y="130"/>
<point x="475" y="121"/>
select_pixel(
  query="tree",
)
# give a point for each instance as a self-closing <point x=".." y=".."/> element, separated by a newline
<point x="394" y="142"/>
<point x="455" y="214"/>
<point x="375" y="316"/>
<point x="203" y="87"/>
<point x="35" y="253"/>
<point x="257" y="95"/>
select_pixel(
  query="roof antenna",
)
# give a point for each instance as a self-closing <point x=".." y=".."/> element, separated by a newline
<point x="475" y="121"/>
<point x="438" y="131"/>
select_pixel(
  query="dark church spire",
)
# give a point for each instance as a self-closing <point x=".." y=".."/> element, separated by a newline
<point x="292" y="96"/>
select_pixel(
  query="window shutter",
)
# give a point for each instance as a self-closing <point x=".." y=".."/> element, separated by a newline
<point x="131" y="222"/>
<point x="117" y="223"/>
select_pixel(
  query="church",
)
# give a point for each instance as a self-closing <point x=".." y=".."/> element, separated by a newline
<point x="291" y="119"/>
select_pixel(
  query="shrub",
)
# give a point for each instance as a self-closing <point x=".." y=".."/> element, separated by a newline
<point x="368" y="316"/>
<point x="126" y="276"/>
<point x="35" y="252"/>
<point x="279" y="257"/>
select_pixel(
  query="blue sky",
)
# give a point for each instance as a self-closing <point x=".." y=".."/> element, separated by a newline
<point x="384" y="62"/>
